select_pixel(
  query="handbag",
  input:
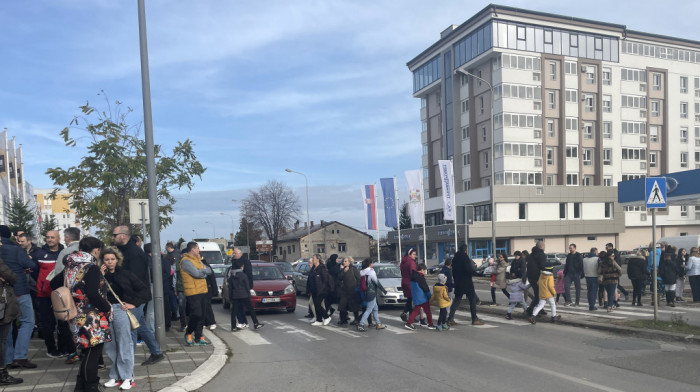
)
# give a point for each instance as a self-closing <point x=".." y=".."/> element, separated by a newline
<point x="133" y="321"/>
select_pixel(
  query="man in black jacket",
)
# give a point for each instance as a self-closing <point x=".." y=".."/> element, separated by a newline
<point x="536" y="262"/>
<point x="462" y="272"/>
<point x="573" y="272"/>
<point x="242" y="260"/>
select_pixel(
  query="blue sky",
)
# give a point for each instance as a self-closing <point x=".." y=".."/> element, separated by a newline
<point x="320" y="87"/>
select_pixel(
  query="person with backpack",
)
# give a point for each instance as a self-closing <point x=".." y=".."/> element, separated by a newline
<point x="318" y="286"/>
<point x="369" y="284"/>
<point x="421" y="297"/>
<point x="239" y="292"/>
<point x="349" y="277"/>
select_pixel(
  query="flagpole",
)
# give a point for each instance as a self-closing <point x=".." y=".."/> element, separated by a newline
<point x="376" y="220"/>
<point x="422" y="206"/>
<point x="454" y="202"/>
<point x="398" y="217"/>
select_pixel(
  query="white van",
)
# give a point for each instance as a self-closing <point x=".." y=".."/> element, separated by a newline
<point x="685" y="241"/>
<point x="210" y="252"/>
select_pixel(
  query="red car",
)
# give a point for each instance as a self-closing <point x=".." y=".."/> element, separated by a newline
<point x="271" y="290"/>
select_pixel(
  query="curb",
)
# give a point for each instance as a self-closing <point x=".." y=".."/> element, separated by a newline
<point x="206" y="371"/>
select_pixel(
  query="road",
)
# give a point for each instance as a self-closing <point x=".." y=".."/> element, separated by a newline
<point x="291" y="355"/>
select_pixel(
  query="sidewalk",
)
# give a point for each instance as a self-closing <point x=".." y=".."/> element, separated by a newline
<point x="180" y="361"/>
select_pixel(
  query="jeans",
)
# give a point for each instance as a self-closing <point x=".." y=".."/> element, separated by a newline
<point x="182" y="306"/>
<point x="567" y="287"/>
<point x="695" y="286"/>
<point x="610" y="290"/>
<point x="373" y="308"/>
<point x="591" y="291"/>
<point x="540" y="306"/>
<point x="514" y="304"/>
<point x="26" y="318"/>
<point x="172" y="300"/>
<point x="121" y="349"/>
<point x="4" y="329"/>
<point x="680" y="286"/>
<point x="145" y="332"/>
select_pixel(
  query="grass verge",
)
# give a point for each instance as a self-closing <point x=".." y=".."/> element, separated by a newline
<point x="676" y="324"/>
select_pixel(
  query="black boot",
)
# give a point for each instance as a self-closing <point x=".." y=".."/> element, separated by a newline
<point x="6" y="379"/>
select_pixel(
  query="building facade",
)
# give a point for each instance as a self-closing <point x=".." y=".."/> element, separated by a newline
<point x="326" y="239"/>
<point x="564" y="109"/>
<point x="13" y="185"/>
<point x="59" y="208"/>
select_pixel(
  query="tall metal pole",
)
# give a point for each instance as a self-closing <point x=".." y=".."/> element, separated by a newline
<point x="422" y="207"/>
<point x="233" y="227"/>
<point x="143" y="220"/>
<point x="454" y="204"/>
<point x="308" y="222"/>
<point x="493" y="162"/>
<point x="376" y="222"/>
<point x="398" y="217"/>
<point x="151" y="171"/>
<point x="654" y="262"/>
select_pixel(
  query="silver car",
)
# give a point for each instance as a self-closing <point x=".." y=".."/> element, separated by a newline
<point x="389" y="276"/>
<point x="219" y="272"/>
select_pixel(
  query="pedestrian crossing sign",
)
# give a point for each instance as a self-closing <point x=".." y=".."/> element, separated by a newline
<point x="655" y="192"/>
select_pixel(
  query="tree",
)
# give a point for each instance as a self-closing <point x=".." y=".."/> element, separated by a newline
<point x="271" y="207"/>
<point x="247" y="235"/>
<point x="20" y="216"/>
<point x="405" y="218"/>
<point x="112" y="169"/>
<point x="48" y="225"/>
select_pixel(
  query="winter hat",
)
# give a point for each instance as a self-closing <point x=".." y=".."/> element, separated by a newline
<point x="442" y="278"/>
<point x="5" y="231"/>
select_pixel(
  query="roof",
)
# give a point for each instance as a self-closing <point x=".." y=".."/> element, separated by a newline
<point x="301" y="232"/>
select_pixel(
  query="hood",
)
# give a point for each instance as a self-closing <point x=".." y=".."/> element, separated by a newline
<point x="270" y="285"/>
<point x="546" y="273"/>
<point x="407" y="259"/>
<point x="80" y="258"/>
<point x="514" y="281"/>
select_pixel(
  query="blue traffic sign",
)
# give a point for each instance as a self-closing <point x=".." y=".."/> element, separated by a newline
<point x="655" y="192"/>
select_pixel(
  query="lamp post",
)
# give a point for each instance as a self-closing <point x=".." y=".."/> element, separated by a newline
<point x="308" y="225"/>
<point x="493" y="161"/>
<point x="213" y="227"/>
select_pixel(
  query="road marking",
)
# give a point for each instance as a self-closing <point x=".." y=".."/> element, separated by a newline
<point x="632" y="313"/>
<point x="492" y="319"/>
<point x="551" y="373"/>
<point x="396" y="330"/>
<point x="292" y="329"/>
<point x="591" y="314"/>
<point x="250" y="338"/>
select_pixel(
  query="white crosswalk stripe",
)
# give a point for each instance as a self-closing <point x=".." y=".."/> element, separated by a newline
<point x="592" y="314"/>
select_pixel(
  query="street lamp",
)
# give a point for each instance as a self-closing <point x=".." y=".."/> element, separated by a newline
<point x="308" y="225"/>
<point x="493" y="162"/>
<point x="247" y="234"/>
<point x="213" y="227"/>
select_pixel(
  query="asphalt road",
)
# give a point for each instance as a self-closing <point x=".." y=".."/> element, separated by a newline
<point x="289" y="354"/>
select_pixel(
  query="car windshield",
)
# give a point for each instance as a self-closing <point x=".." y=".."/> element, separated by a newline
<point x="212" y="256"/>
<point x="285" y="267"/>
<point x="266" y="272"/>
<point x="219" y="271"/>
<point x="387" y="271"/>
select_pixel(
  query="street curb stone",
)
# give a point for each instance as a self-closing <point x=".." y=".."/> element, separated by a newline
<point x="205" y="372"/>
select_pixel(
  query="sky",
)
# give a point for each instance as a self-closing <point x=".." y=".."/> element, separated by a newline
<point x="320" y="87"/>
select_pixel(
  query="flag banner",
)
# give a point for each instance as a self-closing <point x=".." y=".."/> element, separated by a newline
<point x="370" y="207"/>
<point x="448" y="192"/>
<point x="389" y="202"/>
<point x="415" y="195"/>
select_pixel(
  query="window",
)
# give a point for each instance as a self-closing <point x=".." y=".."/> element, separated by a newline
<point x="551" y="180"/>
<point x="654" y="133"/>
<point x="342" y="247"/>
<point x="607" y="181"/>
<point x="467" y="185"/>
<point x="684" y="211"/>
<point x="424" y="125"/>
<point x="548" y="37"/>
<point x="684" y="134"/>
<point x="607" y="130"/>
<point x="577" y="210"/>
<point x="483" y="133"/>
<point x="684" y="84"/>
<point x="464" y="80"/>
<point x="587" y="181"/>
<point x="571" y="124"/>
<point x="486" y="159"/>
<point x="634" y="128"/>
<point x="570" y="68"/>
<point x="572" y="179"/>
<point x="589" y="102"/>
<point x="550" y="128"/>
<point x="607" y="157"/>
<point x="588" y="130"/>
<point x="634" y="154"/>
<point x="572" y="151"/>
<point x="655" y="107"/>
<point x="320" y="248"/>
<point x="607" y="103"/>
<point x="587" y="155"/>
<point x="552" y="70"/>
<point x="552" y="99"/>
<point x="607" y="76"/>
<point x="425" y="148"/>
<point x="633" y="75"/>
<point x="609" y="210"/>
<point x="572" y="96"/>
<point x="590" y="74"/>
<point x="465" y="105"/>
<point x="652" y="159"/>
<point x="550" y="155"/>
<point x="656" y="81"/>
<point x="684" y="159"/>
<point x="465" y="132"/>
<point x="465" y="162"/>
<point x="633" y="101"/>
<point x="562" y="210"/>
<point x="684" y="109"/>
<point x="467" y="159"/>
<point x="522" y="211"/>
<point x="481" y="104"/>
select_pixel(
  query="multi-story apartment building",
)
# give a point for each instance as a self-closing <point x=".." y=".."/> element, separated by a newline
<point x="59" y="208"/>
<point x="13" y="185"/>
<point x="572" y="107"/>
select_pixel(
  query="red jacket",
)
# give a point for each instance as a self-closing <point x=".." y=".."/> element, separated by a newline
<point x="47" y="261"/>
<point x="408" y="265"/>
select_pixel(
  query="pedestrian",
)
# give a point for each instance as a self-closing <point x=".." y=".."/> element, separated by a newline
<point x="373" y="285"/>
<point x="442" y="301"/>
<point x="614" y="254"/>
<point x="536" y="262"/>
<point x="546" y="294"/>
<point x="668" y="271"/>
<point x="349" y="296"/>
<point x="693" y="271"/>
<point x="421" y="297"/>
<point x="408" y="265"/>
<point x="573" y="272"/>
<point x="7" y="280"/>
<point x="248" y="270"/>
<point x="90" y="327"/>
<point x="449" y="282"/>
<point x="317" y="286"/>
<point x="239" y="293"/>
<point x="172" y="255"/>
<point x="682" y="260"/>
<point x="517" y="296"/>
<point x="590" y="272"/>
<point x="498" y="278"/>
<point x="181" y="298"/>
<point x="608" y="276"/>
<point x="463" y="269"/>
<point x="638" y="274"/>
<point x="333" y="296"/>
<point x="124" y="286"/>
<point x="212" y="292"/>
<point x="194" y="282"/>
<point x="559" y="284"/>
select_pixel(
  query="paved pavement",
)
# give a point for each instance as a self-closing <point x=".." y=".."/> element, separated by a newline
<point x="54" y="375"/>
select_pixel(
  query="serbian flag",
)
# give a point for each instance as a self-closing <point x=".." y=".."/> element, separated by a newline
<point x="370" y="207"/>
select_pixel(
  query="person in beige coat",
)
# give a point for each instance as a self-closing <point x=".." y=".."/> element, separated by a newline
<point x="498" y="278"/>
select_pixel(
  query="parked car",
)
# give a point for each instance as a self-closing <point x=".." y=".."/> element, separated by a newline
<point x="271" y="290"/>
<point x="389" y="276"/>
<point x="301" y="275"/>
<point x="434" y="269"/>
<point x="219" y="273"/>
<point x="286" y="269"/>
<point x="301" y="260"/>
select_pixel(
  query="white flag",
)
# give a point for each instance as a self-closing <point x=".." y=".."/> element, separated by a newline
<point x="415" y="196"/>
<point x="448" y="191"/>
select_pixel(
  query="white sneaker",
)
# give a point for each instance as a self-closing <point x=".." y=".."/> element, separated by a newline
<point x="112" y="383"/>
<point x="212" y="327"/>
<point x="128" y="384"/>
<point x="326" y="321"/>
<point x="316" y="323"/>
<point x="245" y="325"/>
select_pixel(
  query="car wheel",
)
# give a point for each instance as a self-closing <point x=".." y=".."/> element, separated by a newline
<point x="291" y="310"/>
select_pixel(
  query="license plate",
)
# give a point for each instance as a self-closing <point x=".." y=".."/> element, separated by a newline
<point x="269" y="300"/>
<point x="400" y="296"/>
